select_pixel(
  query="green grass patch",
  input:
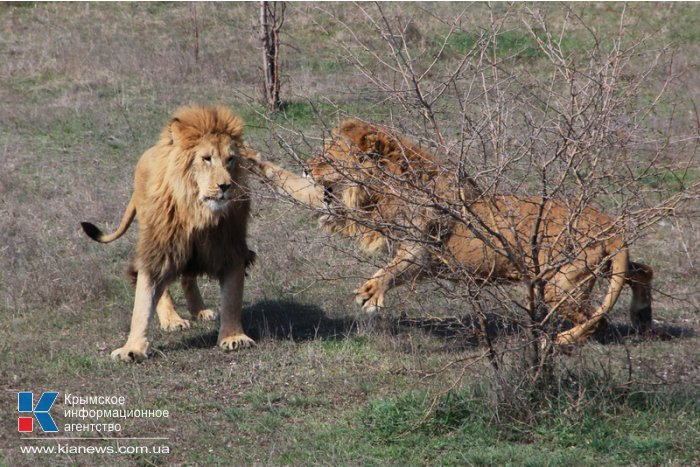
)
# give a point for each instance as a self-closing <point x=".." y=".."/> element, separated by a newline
<point x="462" y="427"/>
<point x="671" y="180"/>
<point x="297" y="114"/>
<point x="509" y="43"/>
<point x="38" y="88"/>
<point x="302" y="113"/>
<point x="19" y="4"/>
<point x="308" y="114"/>
<point x="352" y="344"/>
<point x="355" y="348"/>
<point x="302" y="401"/>
<point x="683" y="26"/>
<point x="325" y="65"/>
<point x="75" y="365"/>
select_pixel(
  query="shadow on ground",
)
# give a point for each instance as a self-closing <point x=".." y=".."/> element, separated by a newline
<point x="280" y="320"/>
<point x="617" y="333"/>
<point x="299" y="322"/>
<point x="461" y="332"/>
<point x="295" y="321"/>
<point x="466" y="331"/>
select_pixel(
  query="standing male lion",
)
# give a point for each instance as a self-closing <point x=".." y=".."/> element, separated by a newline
<point x="191" y="199"/>
<point x="386" y="192"/>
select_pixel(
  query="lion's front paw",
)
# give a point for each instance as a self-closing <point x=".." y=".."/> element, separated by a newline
<point x="266" y="168"/>
<point x="370" y="296"/>
<point x="131" y="352"/>
<point x="205" y="315"/>
<point x="236" y="342"/>
<point x="176" y="324"/>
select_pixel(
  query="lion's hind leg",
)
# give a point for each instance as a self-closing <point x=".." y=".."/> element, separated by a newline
<point x="195" y="303"/>
<point x="568" y="294"/>
<point x="168" y="317"/>
<point x="639" y="277"/>
<point x="167" y="314"/>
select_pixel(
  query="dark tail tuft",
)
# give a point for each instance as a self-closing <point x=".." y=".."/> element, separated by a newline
<point x="643" y="321"/>
<point x="249" y="260"/>
<point x="91" y="231"/>
<point x="131" y="272"/>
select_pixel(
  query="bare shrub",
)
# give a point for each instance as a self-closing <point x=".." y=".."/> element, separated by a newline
<point x="598" y="124"/>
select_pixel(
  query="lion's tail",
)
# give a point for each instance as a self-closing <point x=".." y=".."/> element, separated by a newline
<point x="96" y="234"/>
<point x="619" y="264"/>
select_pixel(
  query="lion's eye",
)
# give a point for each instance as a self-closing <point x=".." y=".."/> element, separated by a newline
<point x="207" y="159"/>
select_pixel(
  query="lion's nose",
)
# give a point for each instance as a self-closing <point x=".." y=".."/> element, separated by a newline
<point x="224" y="186"/>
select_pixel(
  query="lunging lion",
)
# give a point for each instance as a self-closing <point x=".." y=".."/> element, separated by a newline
<point x="191" y="199"/>
<point x="385" y="191"/>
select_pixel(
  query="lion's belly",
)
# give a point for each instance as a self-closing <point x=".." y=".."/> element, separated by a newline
<point x="466" y="251"/>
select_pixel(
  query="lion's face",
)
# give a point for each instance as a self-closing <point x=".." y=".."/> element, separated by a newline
<point x="216" y="160"/>
<point x="360" y="153"/>
<point x="340" y="164"/>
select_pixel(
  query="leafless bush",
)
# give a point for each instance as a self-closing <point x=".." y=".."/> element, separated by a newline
<point x="596" y="125"/>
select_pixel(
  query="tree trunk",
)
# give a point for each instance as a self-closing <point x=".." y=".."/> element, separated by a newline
<point x="271" y="20"/>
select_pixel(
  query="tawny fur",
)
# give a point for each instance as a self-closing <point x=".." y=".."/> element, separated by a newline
<point x="381" y="188"/>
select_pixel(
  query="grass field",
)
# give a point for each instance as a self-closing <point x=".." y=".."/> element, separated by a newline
<point x="85" y="88"/>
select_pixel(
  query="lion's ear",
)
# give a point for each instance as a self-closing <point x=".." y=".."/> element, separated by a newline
<point x="176" y="131"/>
<point x="348" y="126"/>
<point x="183" y="134"/>
<point x="380" y="145"/>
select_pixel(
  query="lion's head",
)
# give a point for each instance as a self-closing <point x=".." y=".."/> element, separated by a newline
<point x="207" y="150"/>
<point x="359" y="152"/>
<point x="369" y="174"/>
